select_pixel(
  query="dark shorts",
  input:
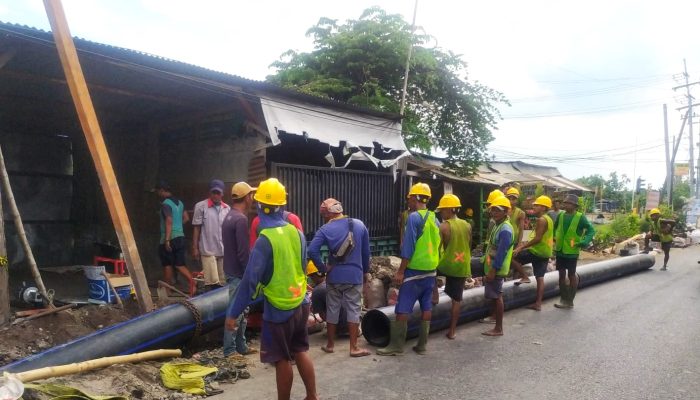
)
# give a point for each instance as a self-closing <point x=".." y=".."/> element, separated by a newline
<point x="454" y="287"/>
<point x="666" y="246"/>
<point x="420" y="290"/>
<point x="493" y="289"/>
<point x="539" y="264"/>
<point x="568" y="264"/>
<point x="655" y="237"/>
<point x="281" y="341"/>
<point x="176" y="257"/>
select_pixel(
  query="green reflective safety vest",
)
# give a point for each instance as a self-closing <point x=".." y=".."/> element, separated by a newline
<point x="544" y="247"/>
<point x="426" y="253"/>
<point x="656" y="229"/>
<point x="287" y="286"/>
<point x="492" y="249"/>
<point x="177" y="210"/>
<point x="514" y="222"/>
<point x="567" y="242"/>
<point x="456" y="259"/>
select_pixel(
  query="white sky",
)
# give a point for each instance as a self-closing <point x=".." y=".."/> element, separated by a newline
<point x="586" y="80"/>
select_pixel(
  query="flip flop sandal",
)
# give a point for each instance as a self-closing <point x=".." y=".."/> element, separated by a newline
<point x="487" y="321"/>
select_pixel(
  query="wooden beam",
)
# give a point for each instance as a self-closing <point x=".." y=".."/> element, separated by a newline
<point x="4" y="273"/>
<point x="98" y="150"/>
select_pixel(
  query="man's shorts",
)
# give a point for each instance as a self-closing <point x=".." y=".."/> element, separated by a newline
<point x="568" y="264"/>
<point x="493" y="289"/>
<point x="281" y="341"/>
<point x="454" y="287"/>
<point x="345" y="296"/>
<point x="420" y="290"/>
<point x="176" y="257"/>
<point x="213" y="269"/>
<point x="539" y="264"/>
<point x="666" y="246"/>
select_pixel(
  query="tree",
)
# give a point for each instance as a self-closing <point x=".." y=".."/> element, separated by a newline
<point x="362" y="62"/>
<point x="614" y="188"/>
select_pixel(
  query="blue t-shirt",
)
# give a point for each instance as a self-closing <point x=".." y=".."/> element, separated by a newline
<point x="356" y="264"/>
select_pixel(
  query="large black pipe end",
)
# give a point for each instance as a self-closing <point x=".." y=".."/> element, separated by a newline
<point x="376" y="328"/>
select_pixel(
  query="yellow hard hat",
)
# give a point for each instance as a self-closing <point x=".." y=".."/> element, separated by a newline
<point x="469" y="212"/>
<point x="271" y="192"/>
<point x="654" y="211"/>
<point x="543" y="201"/>
<point x="513" y="192"/>
<point x="501" y="201"/>
<point x="449" y="201"/>
<point x="420" y="189"/>
<point x="311" y="268"/>
<point x="493" y="195"/>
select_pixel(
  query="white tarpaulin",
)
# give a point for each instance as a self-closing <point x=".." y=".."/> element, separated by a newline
<point x="329" y="125"/>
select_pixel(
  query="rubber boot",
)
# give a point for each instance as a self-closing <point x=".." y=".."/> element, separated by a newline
<point x="572" y="294"/>
<point x="564" y="301"/>
<point x="398" y="339"/>
<point x="423" y="332"/>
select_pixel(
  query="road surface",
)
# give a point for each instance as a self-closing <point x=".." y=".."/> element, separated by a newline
<point x="637" y="337"/>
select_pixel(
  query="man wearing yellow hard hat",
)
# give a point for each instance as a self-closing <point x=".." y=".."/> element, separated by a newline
<point x="276" y="269"/>
<point x="660" y="232"/>
<point x="538" y="248"/>
<point x="419" y="260"/>
<point x="455" y="261"/>
<point x="517" y="220"/>
<point x="469" y="213"/>
<point x="498" y="254"/>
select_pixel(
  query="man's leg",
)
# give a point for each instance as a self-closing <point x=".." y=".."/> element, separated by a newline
<point x="499" y="315"/>
<point x="647" y="237"/>
<point x="454" y="316"/>
<point x="352" y="303"/>
<point x="333" y="304"/>
<point x="563" y="288"/>
<point x="667" y="254"/>
<point x="524" y="278"/>
<point x="573" y="284"/>
<point x="306" y="370"/>
<point x="188" y="275"/>
<point x="168" y="275"/>
<point x="493" y="292"/>
<point x="229" y="343"/>
<point x="285" y="377"/>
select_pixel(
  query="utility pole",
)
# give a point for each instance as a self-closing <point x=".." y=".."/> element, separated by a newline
<point x="408" y="61"/>
<point x="633" y="209"/>
<point x="669" y="167"/>
<point x="694" y="188"/>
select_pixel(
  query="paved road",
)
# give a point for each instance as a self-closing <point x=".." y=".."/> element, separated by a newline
<point x="637" y="337"/>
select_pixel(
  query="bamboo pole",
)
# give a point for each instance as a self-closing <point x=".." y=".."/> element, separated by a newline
<point x="43" y="314"/>
<point x="113" y="289"/>
<point x="14" y="211"/>
<point x="96" y="144"/>
<point x="68" y="369"/>
<point x="173" y="288"/>
<point x="4" y="272"/>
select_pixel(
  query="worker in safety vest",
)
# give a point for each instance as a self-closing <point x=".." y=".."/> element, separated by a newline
<point x="276" y="268"/>
<point x="660" y="232"/>
<point x="470" y="217"/>
<point x="517" y="221"/>
<point x="499" y="251"/>
<point x="419" y="260"/>
<point x="572" y="232"/>
<point x="455" y="261"/>
<point x="538" y="248"/>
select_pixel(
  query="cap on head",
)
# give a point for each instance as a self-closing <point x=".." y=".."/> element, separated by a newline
<point x="571" y="199"/>
<point x="449" y="201"/>
<point x="216" y="185"/>
<point x="654" y="211"/>
<point x="543" y="201"/>
<point x="493" y="196"/>
<point x="501" y="202"/>
<point x="331" y="206"/>
<point x="241" y="190"/>
<point x="162" y="185"/>
<point x="513" y="192"/>
<point x="271" y="192"/>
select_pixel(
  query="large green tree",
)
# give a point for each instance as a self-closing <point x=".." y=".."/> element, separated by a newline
<point x="362" y="62"/>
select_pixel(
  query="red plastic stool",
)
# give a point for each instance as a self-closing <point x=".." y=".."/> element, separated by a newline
<point x="119" y="265"/>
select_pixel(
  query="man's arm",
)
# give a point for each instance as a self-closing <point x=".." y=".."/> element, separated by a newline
<point x="408" y="245"/>
<point x="197" y="220"/>
<point x="314" y="250"/>
<point x="521" y="227"/>
<point x="365" y="252"/>
<point x="254" y="274"/>
<point x="585" y="224"/>
<point x="185" y="217"/>
<point x="445" y="234"/>
<point x="540" y="229"/>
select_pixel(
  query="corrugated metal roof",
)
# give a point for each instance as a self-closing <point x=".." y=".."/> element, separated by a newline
<point x="185" y="70"/>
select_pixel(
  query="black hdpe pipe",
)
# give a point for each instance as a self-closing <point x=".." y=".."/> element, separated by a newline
<point x="167" y="327"/>
<point x="376" y="323"/>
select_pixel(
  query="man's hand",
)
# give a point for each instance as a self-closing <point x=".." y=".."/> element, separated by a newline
<point x="231" y="324"/>
<point x="491" y="275"/>
<point x="168" y="248"/>
<point x="195" y="251"/>
<point x="398" y="278"/>
<point x="518" y="249"/>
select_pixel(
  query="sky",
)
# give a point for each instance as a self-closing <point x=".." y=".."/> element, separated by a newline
<point x="586" y="81"/>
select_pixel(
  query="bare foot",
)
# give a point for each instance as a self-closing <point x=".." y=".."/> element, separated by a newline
<point x="492" y="332"/>
<point x="359" y="352"/>
<point x="314" y="397"/>
<point x="450" y="336"/>
<point x="535" y="307"/>
<point x="327" y="349"/>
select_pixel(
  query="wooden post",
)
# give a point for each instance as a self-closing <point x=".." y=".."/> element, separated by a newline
<point x="4" y="272"/>
<point x="93" y="134"/>
<point x="20" y="231"/>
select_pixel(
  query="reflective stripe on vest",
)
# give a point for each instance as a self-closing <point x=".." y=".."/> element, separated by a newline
<point x="456" y="259"/>
<point x="426" y="253"/>
<point x="492" y="249"/>
<point x="544" y="247"/>
<point x="566" y="243"/>
<point x="287" y="286"/>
